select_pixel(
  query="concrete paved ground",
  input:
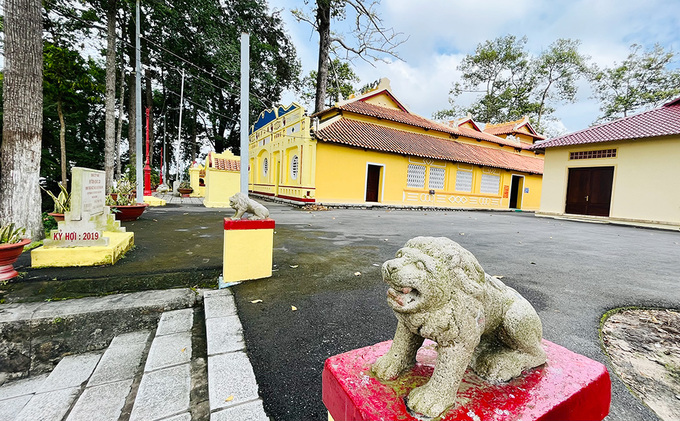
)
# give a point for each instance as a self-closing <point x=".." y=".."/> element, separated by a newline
<point x="572" y="272"/>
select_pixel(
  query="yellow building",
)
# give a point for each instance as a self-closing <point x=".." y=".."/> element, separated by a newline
<point x="627" y="170"/>
<point x="222" y="178"/>
<point x="283" y="154"/>
<point x="372" y="149"/>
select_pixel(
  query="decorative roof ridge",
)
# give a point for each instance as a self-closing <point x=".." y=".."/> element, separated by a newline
<point x="505" y="123"/>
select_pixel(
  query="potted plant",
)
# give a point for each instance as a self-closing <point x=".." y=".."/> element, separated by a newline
<point x="12" y="243"/>
<point x="62" y="202"/>
<point x="122" y="202"/>
<point x="185" y="188"/>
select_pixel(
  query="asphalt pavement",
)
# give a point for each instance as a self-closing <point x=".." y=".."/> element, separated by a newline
<point x="327" y="267"/>
<point x="572" y="272"/>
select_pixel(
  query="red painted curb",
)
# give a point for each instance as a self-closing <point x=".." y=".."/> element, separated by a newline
<point x="247" y="224"/>
<point x="568" y="387"/>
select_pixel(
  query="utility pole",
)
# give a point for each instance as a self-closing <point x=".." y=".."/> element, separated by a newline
<point x="178" y="155"/>
<point x="138" y="113"/>
<point x="245" y="126"/>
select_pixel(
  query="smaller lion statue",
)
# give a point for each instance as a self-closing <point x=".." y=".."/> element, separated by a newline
<point x="242" y="204"/>
<point x="439" y="291"/>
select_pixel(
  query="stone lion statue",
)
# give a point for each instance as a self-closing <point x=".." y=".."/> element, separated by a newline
<point x="242" y="204"/>
<point x="439" y="291"/>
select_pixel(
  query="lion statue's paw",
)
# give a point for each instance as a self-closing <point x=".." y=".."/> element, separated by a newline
<point x="429" y="402"/>
<point x="388" y="367"/>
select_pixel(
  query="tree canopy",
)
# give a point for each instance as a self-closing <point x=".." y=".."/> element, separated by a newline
<point x="512" y="83"/>
<point x="340" y="83"/>
<point x="642" y="80"/>
<point x="200" y="38"/>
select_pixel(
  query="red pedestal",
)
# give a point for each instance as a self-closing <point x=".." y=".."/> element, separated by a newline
<point x="568" y="387"/>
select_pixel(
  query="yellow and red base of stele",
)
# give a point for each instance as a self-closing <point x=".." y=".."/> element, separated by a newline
<point x="248" y="249"/>
<point x="119" y="244"/>
<point x="568" y="386"/>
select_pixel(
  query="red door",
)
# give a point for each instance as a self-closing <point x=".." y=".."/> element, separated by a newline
<point x="589" y="191"/>
<point x="372" y="183"/>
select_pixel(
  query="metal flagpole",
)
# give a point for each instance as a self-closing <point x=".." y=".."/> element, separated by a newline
<point x="138" y="113"/>
<point x="245" y="89"/>
<point x="180" y="173"/>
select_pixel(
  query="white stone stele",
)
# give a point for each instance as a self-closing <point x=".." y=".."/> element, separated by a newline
<point x="84" y="224"/>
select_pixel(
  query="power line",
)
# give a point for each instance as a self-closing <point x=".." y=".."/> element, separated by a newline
<point x="252" y="94"/>
<point x="202" y="107"/>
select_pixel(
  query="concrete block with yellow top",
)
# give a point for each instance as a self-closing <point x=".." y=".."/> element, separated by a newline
<point x="248" y="249"/>
<point x="118" y="244"/>
<point x="154" y="201"/>
<point x="222" y="179"/>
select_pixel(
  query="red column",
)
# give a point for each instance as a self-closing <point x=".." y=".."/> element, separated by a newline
<point x="147" y="168"/>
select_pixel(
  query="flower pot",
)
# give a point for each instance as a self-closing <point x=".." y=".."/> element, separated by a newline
<point x="9" y="253"/>
<point x="57" y="216"/>
<point x="129" y="213"/>
<point x="182" y="190"/>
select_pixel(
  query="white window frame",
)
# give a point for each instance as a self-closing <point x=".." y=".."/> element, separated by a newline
<point x="486" y="176"/>
<point x="443" y="178"/>
<point x="463" y="170"/>
<point x="265" y="167"/>
<point x="294" y="167"/>
<point x="410" y="176"/>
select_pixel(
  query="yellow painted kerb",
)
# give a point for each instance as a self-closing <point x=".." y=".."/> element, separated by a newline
<point x="154" y="201"/>
<point x="119" y="244"/>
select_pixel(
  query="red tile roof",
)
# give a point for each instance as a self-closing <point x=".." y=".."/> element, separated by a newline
<point x="662" y="121"/>
<point x="371" y="136"/>
<point x="225" y="164"/>
<point x="404" y="117"/>
<point x="513" y="127"/>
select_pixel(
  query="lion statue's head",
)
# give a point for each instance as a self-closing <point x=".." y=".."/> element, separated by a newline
<point x="427" y="271"/>
<point x="238" y="201"/>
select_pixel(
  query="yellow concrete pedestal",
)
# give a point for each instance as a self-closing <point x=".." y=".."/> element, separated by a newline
<point x="154" y="201"/>
<point x="248" y="249"/>
<point x="119" y="243"/>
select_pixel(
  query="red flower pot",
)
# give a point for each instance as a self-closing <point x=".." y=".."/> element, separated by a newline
<point x="129" y="213"/>
<point x="184" y="191"/>
<point x="57" y="216"/>
<point x="9" y="253"/>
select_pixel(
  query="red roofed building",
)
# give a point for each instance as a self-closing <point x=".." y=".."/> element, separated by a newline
<point x="372" y="149"/>
<point x="626" y="171"/>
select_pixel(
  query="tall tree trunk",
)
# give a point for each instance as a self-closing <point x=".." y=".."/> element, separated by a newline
<point x="132" y="121"/>
<point x="110" y="137"/>
<point x="20" y="200"/>
<point x="62" y="143"/>
<point x="323" y="20"/>
<point x="149" y="104"/>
